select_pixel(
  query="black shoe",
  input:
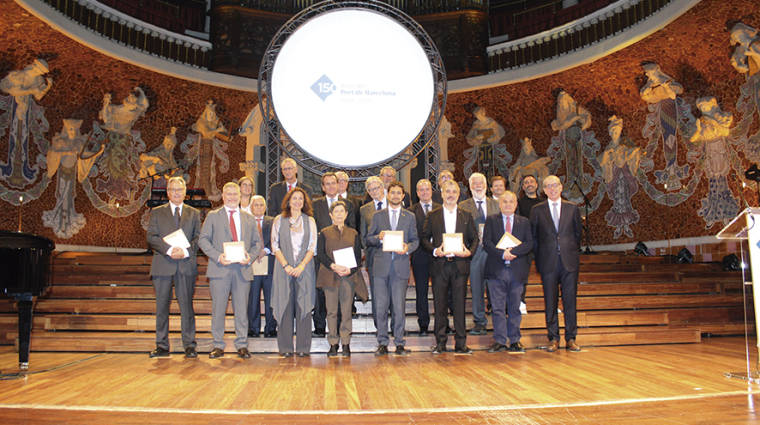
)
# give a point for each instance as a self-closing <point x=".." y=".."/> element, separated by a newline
<point x="319" y="332"/>
<point x="478" y="330"/>
<point x="463" y="350"/>
<point x="159" y="352"/>
<point x="449" y="331"/>
<point x="496" y="347"/>
<point x="381" y="350"/>
<point x="302" y="354"/>
<point x="333" y="350"/>
<point x="286" y="355"/>
<point x="271" y="334"/>
<point x="252" y="334"/>
<point x="439" y="349"/>
<point x="346" y="350"/>
<point x="216" y="353"/>
<point x="190" y="353"/>
<point x="401" y="351"/>
<point x="423" y="332"/>
<point x="244" y="353"/>
<point x="516" y="347"/>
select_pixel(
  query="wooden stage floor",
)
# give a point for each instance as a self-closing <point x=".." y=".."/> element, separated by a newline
<point x="653" y="384"/>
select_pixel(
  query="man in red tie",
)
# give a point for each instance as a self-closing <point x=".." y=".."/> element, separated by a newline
<point x="507" y="271"/>
<point x="229" y="276"/>
<point x="278" y="190"/>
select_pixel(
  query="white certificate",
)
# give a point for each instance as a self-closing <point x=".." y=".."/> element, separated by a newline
<point x="177" y="239"/>
<point x="393" y="240"/>
<point x="453" y="243"/>
<point x="508" y="241"/>
<point x="345" y="257"/>
<point x="234" y="251"/>
<point x="261" y="267"/>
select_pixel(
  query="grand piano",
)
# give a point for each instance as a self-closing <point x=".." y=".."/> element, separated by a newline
<point x="25" y="265"/>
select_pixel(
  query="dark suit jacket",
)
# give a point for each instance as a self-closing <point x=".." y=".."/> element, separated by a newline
<point x="266" y="236"/>
<point x="381" y="262"/>
<point x="493" y="232"/>
<point x="421" y="254"/>
<point x="277" y="192"/>
<point x="216" y="231"/>
<point x="322" y="213"/>
<point x="161" y="224"/>
<point x="432" y="237"/>
<point x="546" y="238"/>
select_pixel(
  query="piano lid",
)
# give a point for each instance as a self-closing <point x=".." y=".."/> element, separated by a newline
<point x="19" y="240"/>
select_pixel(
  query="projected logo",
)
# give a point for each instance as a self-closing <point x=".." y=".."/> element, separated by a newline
<point x="323" y="87"/>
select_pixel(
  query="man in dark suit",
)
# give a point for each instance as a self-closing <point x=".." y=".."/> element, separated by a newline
<point x="321" y="208"/>
<point x="450" y="269"/>
<point x="174" y="263"/>
<point x="507" y="271"/>
<point x="262" y="281"/>
<point x="387" y="176"/>
<point x="421" y="258"/>
<point x="376" y="191"/>
<point x="391" y="269"/>
<point x="277" y="191"/>
<point x="479" y="206"/>
<point x="556" y="226"/>
<point x="229" y="224"/>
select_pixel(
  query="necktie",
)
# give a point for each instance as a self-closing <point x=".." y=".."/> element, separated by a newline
<point x="394" y="219"/>
<point x="508" y="225"/>
<point x="233" y="230"/>
<point x="426" y="208"/>
<point x="258" y="223"/>
<point x="480" y="208"/>
<point x="176" y="216"/>
<point x="555" y="216"/>
<point x="379" y="205"/>
<point x="290" y="187"/>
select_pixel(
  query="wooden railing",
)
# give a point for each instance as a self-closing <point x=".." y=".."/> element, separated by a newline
<point x="573" y="36"/>
<point x="410" y="7"/>
<point x="134" y="33"/>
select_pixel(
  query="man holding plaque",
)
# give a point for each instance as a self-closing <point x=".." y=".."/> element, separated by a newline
<point x="393" y="235"/>
<point x="173" y="233"/>
<point x="450" y="235"/>
<point x="227" y="237"/>
<point x="508" y="241"/>
<point x="556" y="228"/>
<point x="263" y="267"/>
<point x="479" y="206"/>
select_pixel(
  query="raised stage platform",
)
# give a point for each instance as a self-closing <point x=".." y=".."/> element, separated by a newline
<point x="645" y="384"/>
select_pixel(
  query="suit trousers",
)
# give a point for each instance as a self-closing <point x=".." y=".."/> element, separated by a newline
<point x="184" y="287"/>
<point x="447" y="280"/>
<point x="390" y="293"/>
<point x="421" y="271"/>
<point x="339" y="301"/>
<point x="477" y="286"/>
<point x="552" y="281"/>
<point x="291" y="314"/>
<point x="259" y="284"/>
<point x="505" y="292"/>
<point x="221" y="288"/>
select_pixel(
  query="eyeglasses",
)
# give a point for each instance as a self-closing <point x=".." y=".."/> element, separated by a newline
<point x="176" y="189"/>
<point x="553" y="185"/>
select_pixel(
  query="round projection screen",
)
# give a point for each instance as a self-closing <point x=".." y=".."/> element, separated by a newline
<point x="352" y="87"/>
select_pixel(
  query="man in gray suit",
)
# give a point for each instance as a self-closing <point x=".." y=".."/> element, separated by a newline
<point x="391" y="269"/>
<point x="228" y="224"/>
<point x="556" y="226"/>
<point x="479" y="206"/>
<point x="376" y="191"/>
<point x="174" y="263"/>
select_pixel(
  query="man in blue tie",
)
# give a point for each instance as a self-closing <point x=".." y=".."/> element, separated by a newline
<point x="556" y="226"/>
<point x="507" y="271"/>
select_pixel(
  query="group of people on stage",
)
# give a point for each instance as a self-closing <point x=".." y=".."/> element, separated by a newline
<point x="305" y="256"/>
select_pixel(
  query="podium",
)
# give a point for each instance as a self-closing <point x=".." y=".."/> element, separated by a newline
<point x="746" y="226"/>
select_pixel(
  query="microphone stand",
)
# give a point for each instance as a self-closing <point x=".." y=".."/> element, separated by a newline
<point x="585" y="221"/>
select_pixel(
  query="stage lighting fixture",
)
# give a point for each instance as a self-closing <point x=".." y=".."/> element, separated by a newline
<point x="684" y="256"/>
<point x="731" y="263"/>
<point x="641" y="249"/>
